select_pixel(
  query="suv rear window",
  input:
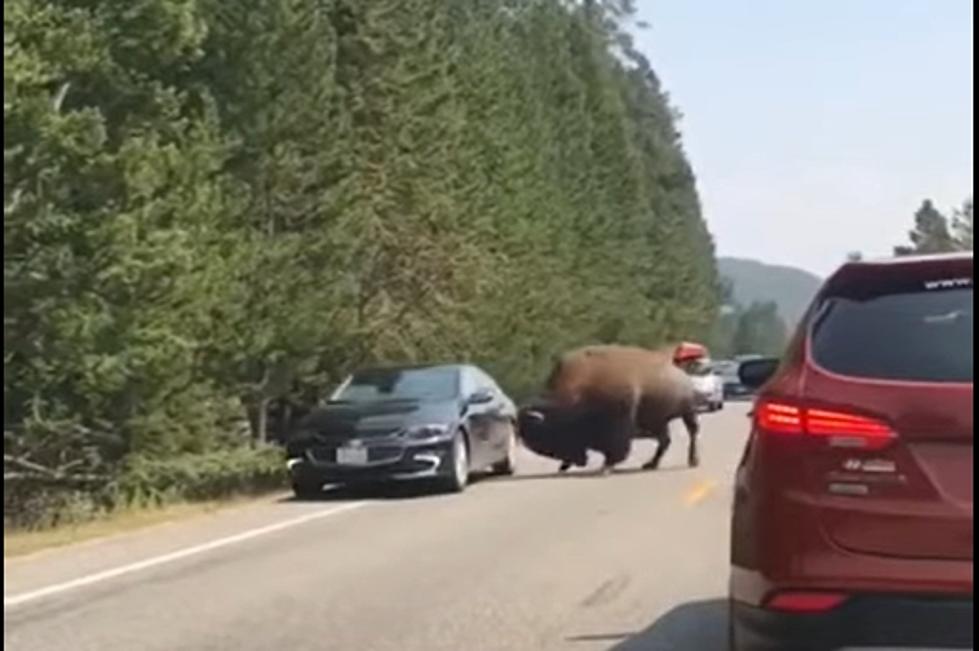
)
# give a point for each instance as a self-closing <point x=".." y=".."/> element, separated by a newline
<point x="921" y="333"/>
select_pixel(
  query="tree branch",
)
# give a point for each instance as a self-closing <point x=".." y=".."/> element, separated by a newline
<point x="27" y="469"/>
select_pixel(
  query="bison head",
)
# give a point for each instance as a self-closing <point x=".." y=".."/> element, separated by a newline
<point x="550" y="432"/>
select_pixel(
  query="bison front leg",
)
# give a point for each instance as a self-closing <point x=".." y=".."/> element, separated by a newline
<point x="611" y="460"/>
<point x="663" y="442"/>
<point x="618" y="443"/>
<point x="578" y="458"/>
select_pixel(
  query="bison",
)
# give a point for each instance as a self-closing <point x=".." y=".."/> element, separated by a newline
<point x="602" y="397"/>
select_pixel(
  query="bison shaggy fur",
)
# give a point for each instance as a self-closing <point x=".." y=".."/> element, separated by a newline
<point x="600" y="398"/>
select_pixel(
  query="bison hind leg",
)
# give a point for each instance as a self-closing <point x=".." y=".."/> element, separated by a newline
<point x="662" y="436"/>
<point x="693" y="429"/>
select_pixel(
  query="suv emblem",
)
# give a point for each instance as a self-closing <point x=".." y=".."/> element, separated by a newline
<point x="872" y="465"/>
<point x="879" y="465"/>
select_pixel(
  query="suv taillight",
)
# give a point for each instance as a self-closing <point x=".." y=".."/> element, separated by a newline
<point x="839" y="428"/>
<point x="805" y="602"/>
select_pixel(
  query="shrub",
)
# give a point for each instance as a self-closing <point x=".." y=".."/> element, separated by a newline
<point x="196" y="477"/>
<point x="148" y="483"/>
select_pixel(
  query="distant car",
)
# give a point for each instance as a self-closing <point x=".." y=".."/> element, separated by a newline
<point x="437" y="423"/>
<point x="707" y="384"/>
<point x="688" y="351"/>
<point x="853" y="516"/>
<point x="733" y="388"/>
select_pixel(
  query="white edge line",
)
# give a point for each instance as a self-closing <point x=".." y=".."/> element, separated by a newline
<point x="33" y="595"/>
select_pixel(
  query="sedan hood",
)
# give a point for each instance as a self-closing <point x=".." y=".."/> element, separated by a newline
<point x="382" y="418"/>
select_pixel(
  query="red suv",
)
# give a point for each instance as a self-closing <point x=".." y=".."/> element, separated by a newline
<point x="852" y="523"/>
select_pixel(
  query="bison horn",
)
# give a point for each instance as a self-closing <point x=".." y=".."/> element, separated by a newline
<point x="535" y="415"/>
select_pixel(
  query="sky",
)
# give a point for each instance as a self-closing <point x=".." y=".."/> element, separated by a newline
<point x="817" y="127"/>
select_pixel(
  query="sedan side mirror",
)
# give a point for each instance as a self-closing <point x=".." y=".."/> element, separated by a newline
<point x="756" y="372"/>
<point x="480" y="397"/>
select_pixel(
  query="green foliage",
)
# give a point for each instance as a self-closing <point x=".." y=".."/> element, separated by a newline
<point x="934" y="232"/>
<point x="760" y="330"/>
<point x="213" y="210"/>
<point x="146" y="482"/>
<point x="194" y="477"/>
<point x="755" y="329"/>
<point x="962" y="226"/>
<point x="791" y="288"/>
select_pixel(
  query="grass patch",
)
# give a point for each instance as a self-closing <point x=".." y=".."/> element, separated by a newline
<point x="21" y="542"/>
<point x="145" y="492"/>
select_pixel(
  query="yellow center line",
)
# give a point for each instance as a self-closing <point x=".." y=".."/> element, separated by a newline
<point x="699" y="491"/>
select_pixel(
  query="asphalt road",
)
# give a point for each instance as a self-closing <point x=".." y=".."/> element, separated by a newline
<point x="634" y="561"/>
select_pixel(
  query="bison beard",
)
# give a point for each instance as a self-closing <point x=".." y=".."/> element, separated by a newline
<point x="600" y="398"/>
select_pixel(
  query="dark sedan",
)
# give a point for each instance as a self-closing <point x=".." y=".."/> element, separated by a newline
<point x="437" y="423"/>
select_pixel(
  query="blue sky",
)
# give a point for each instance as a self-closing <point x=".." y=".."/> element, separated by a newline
<point x="817" y="127"/>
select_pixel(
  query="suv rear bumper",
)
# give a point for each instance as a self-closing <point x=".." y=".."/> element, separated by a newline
<point x="865" y="621"/>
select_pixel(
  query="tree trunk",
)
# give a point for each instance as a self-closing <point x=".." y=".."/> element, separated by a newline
<point x="261" y="432"/>
<point x="258" y="416"/>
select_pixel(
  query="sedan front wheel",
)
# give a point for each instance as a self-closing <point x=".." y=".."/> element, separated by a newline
<point x="458" y="465"/>
<point x="508" y="465"/>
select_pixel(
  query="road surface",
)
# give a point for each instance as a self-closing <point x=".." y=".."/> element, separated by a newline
<point x="635" y="561"/>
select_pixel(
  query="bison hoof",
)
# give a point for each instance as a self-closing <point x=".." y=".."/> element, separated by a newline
<point x="564" y="466"/>
<point x="693" y="463"/>
<point x="651" y="465"/>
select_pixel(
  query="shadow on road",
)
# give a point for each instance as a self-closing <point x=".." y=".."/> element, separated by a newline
<point x="418" y="489"/>
<point x="585" y="474"/>
<point x="695" y="626"/>
<point x="378" y="491"/>
<point x="381" y="490"/>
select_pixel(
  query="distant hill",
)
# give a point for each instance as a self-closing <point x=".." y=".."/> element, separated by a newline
<point x="792" y="289"/>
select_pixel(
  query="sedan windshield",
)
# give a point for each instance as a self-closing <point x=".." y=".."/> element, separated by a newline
<point x="727" y="370"/>
<point x="700" y="367"/>
<point x="428" y="384"/>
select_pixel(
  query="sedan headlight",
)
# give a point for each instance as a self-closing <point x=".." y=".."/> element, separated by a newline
<point x="425" y="432"/>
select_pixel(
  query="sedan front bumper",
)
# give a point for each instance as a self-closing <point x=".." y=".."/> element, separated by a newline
<point x="385" y="463"/>
<point x="707" y="399"/>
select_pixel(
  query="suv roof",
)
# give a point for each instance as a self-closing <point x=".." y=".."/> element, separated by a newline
<point x="911" y="259"/>
<point x="910" y="268"/>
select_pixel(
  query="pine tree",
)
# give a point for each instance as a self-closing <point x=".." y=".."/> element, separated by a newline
<point x="214" y="210"/>
<point x="759" y="330"/>
<point x="962" y="226"/>
<point x="931" y="233"/>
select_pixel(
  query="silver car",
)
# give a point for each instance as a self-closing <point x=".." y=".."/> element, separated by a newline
<point x="708" y="385"/>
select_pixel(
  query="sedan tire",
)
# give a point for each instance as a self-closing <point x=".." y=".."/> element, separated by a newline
<point x="457" y="477"/>
<point x="509" y="465"/>
<point x="306" y="490"/>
